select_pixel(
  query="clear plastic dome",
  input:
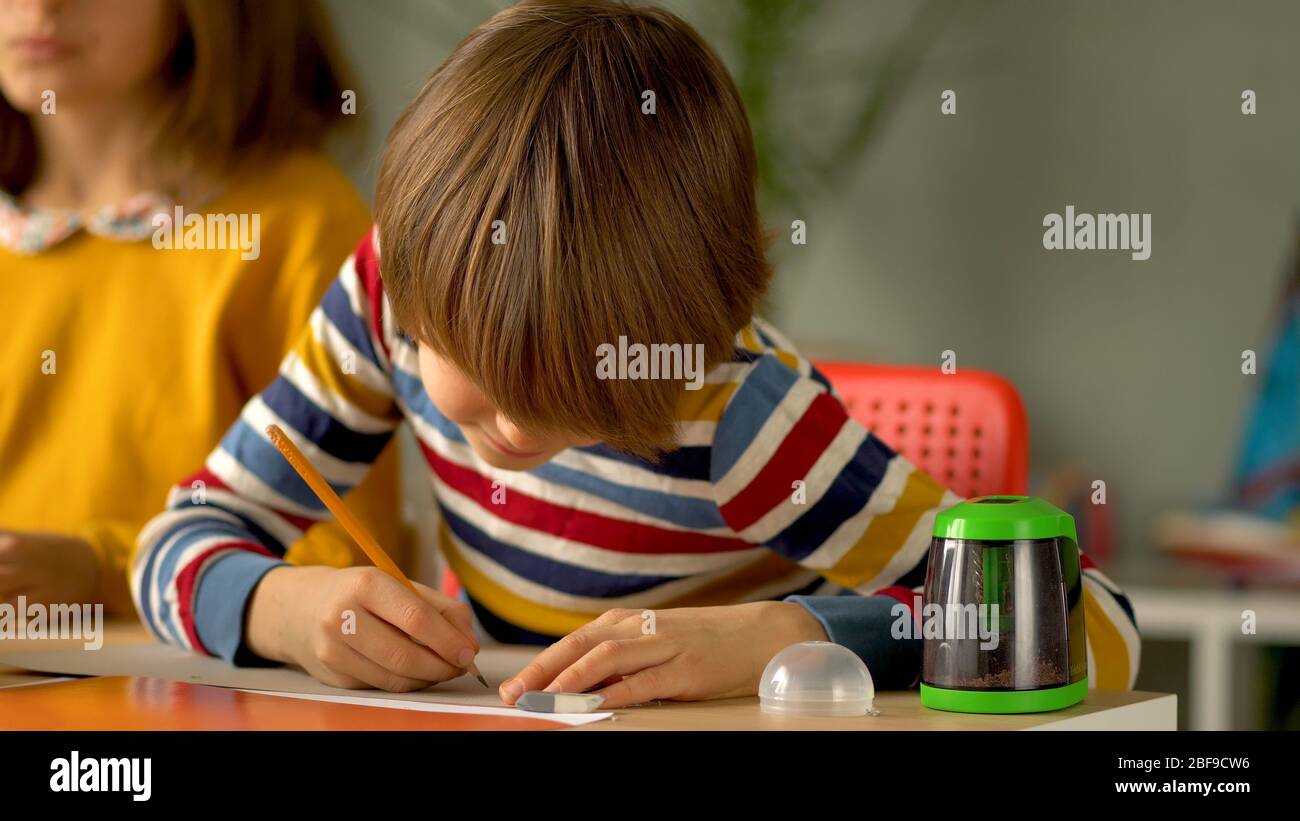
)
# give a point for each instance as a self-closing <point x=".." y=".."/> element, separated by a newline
<point x="817" y="678"/>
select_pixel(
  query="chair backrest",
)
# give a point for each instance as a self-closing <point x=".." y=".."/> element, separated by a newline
<point x="966" y="429"/>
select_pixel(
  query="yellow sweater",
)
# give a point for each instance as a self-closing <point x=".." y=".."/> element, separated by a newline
<point x="154" y="352"/>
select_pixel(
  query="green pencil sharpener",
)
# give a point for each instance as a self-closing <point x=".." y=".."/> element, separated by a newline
<point x="1002" y="615"/>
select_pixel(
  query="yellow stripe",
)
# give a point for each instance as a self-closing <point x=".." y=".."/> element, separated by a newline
<point x="1111" y="653"/>
<point x="318" y="359"/>
<point x="706" y="404"/>
<point x="887" y="532"/>
<point x="510" y="606"/>
<point x="788" y="359"/>
<point x="750" y="339"/>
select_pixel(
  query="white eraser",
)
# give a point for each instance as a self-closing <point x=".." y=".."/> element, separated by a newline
<point x="537" y="701"/>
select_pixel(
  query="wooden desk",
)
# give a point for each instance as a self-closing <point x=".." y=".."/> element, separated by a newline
<point x="900" y="710"/>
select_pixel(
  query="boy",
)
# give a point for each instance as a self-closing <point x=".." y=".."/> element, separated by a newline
<point x="532" y="210"/>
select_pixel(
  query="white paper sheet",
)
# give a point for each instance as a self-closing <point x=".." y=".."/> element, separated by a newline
<point x="571" y="719"/>
<point x="464" y="694"/>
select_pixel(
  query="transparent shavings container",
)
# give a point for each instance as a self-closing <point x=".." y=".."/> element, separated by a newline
<point x="817" y="678"/>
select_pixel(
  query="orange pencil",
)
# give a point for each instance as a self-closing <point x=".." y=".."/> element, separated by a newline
<point x="344" y="514"/>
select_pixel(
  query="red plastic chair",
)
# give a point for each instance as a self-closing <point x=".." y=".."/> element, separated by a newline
<point x="966" y="429"/>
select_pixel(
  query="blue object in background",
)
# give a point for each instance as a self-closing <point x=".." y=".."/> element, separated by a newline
<point x="1267" y="481"/>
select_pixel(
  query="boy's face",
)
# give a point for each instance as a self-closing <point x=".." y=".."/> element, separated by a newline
<point x="494" y="438"/>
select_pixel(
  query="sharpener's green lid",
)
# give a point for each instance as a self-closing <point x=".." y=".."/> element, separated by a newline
<point x="1004" y="519"/>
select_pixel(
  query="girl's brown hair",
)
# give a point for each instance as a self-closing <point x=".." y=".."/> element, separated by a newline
<point x="611" y="144"/>
<point x="246" y="79"/>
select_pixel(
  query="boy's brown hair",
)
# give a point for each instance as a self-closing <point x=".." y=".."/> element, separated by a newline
<point x="616" y="221"/>
<point x="246" y="79"/>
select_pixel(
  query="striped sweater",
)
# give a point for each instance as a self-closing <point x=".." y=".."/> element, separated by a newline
<point x="719" y="520"/>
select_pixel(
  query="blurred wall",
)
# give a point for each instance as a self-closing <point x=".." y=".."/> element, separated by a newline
<point x="1129" y="368"/>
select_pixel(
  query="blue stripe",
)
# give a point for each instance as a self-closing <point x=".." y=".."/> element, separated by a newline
<point x="410" y="392"/>
<point x="566" y="578"/>
<point x="337" y="307"/>
<point x="845" y="498"/>
<point x="317" y="425"/>
<point x="820" y="378"/>
<point x="764" y="387"/>
<point x="260" y="458"/>
<point x="683" y="511"/>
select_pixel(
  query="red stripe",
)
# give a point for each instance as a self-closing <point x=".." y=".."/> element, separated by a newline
<point x="904" y="594"/>
<point x="794" y="457"/>
<point x="188" y="577"/>
<point x="207" y="477"/>
<point x="593" y="529"/>
<point x="367" y="265"/>
<point x="907" y="596"/>
<point x="1085" y="563"/>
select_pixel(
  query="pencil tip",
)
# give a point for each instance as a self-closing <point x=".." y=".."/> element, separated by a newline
<point x="483" y="681"/>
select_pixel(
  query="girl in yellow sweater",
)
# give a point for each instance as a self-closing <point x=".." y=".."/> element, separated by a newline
<point x="166" y="226"/>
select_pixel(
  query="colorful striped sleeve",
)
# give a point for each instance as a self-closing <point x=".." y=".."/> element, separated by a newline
<point x="791" y="471"/>
<point x="232" y="521"/>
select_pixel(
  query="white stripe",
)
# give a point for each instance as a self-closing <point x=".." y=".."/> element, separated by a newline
<point x="725" y="372"/>
<point x="624" y="473"/>
<point x="282" y="531"/>
<point x="335" y="470"/>
<point x="783" y="345"/>
<point x="253" y="490"/>
<point x="823" y="473"/>
<point x="851" y="529"/>
<point x="696" y="432"/>
<point x="329" y="337"/>
<point x="1102" y="579"/>
<point x="406" y="358"/>
<point x="297" y="372"/>
<point x="775" y="428"/>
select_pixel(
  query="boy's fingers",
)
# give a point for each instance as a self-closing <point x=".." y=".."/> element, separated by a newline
<point x="611" y="659"/>
<point x="453" y="610"/>
<point x="393" y="650"/>
<point x="557" y="658"/>
<point x="391" y="601"/>
<point x="344" y="661"/>
<point x="648" y="685"/>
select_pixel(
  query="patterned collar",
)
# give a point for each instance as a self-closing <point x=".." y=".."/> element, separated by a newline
<point x="26" y="230"/>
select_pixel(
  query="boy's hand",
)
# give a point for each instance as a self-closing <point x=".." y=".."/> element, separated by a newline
<point x="694" y="653"/>
<point x="359" y="627"/>
<point x="49" y="568"/>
